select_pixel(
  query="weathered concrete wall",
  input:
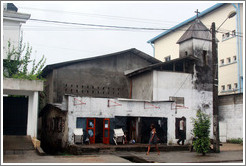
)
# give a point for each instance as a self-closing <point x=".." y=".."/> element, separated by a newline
<point x="79" y="107"/>
<point x="142" y="86"/>
<point x="98" y="108"/>
<point x="11" y="84"/>
<point x="231" y="116"/>
<point x="101" y="77"/>
<point x="203" y="70"/>
<point x="168" y="84"/>
<point x="186" y="46"/>
<point x="28" y="88"/>
<point x="54" y="129"/>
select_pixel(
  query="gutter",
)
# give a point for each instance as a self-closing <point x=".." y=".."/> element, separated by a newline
<point x="239" y="50"/>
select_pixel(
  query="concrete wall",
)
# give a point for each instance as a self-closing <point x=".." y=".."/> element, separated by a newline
<point x="11" y="84"/>
<point x="231" y="117"/>
<point x="28" y="88"/>
<point x="167" y="84"/>
<point x="11" y="32"/>
<point x="54" y="130"/>
<point x="186" y="46"/>
<point x="101" y="77"/>
<point x="142" y="86"/>
<point x="12" y="22"/>
<point x="98" y="108"/>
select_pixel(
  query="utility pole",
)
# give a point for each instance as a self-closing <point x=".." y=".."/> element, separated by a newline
<point x="216" y="142"/>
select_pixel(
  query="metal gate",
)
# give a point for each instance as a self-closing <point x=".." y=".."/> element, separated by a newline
<point x="15" y="111"/>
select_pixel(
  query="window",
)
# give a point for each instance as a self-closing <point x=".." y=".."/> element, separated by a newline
<point x="222" y="61"/>
<point x="229" y="86"/>
<point x="234" y="58"/>
<point x="186" y="53"/>
<point x="168" y="58"/>
<point x="204" y="57"/>
<point x="177" y="100"/>
<point x="228" y="60"/>
<point x="223" y="88"/>
<point x="227" y="35"/>
<point x="235" y="85"/>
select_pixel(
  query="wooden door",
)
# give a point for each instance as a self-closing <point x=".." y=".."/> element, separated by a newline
<point x="106" y="128"/>
<point x="90" y="128"/>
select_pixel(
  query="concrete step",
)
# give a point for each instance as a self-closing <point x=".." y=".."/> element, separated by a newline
<point x="13" y="144"/>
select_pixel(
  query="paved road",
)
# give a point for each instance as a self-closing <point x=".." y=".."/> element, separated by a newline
<point x="33" y="157"/>
<point x="127" y="157"/>
<point x="229" y="153"/>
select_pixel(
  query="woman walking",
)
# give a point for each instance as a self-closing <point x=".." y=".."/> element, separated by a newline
<point x="153" y="139"/>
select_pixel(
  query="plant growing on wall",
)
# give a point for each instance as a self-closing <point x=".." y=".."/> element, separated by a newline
<point x="16" y="64"/>
<point x="201" y="132"/>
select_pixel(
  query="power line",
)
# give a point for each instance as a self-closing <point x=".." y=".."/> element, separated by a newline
<point x="105" y="26"/>
<point x="105" y="16"/>
<point x="181" y="85"/>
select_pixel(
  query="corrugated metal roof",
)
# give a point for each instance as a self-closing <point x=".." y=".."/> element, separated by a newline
<point x="139" y="53"/>
<point x="186" y="22"/>
<point x="161" y="64"/>
<point x="196" y="31"/>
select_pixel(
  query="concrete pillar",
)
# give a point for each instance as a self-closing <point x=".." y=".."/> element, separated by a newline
<point x="32" y="119"/>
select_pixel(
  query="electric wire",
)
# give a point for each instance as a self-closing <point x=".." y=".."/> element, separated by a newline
<point x="106" y="16"/>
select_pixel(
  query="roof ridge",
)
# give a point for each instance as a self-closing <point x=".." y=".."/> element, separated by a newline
<point x="206" y="11"/>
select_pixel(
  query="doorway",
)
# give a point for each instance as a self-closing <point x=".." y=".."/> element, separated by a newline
<point x="98" y="130"/>
<point x="15" y="111"/>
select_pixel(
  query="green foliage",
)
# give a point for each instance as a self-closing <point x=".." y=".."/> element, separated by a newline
<point x="201" y="132"/>
<point x="235" y="141"/>
<point x="16" y="64"/>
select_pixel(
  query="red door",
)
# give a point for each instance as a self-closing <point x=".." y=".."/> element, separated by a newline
<point x="106" y="127"/>
<point x="90" y="128"/>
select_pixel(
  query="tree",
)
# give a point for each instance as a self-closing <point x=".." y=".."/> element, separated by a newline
<point x="16" y="64"/>
<point x="201" y="132"/>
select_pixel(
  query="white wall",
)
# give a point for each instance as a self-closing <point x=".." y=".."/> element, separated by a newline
<point x="231" y="125"/>
<point x="11" y="32"/>
<point x="168" y="84"/>
<point x="165" y="84"/>
<point x="98" y="108"/>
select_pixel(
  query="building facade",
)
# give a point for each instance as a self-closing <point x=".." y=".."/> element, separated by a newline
<point x="158" y="92"/>
<point x="230" y="43"/>
<point x="12" y="21"/>
<point x="20" y="114"/>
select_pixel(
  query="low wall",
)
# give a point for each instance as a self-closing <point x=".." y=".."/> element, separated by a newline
<point x="231" y="116"/>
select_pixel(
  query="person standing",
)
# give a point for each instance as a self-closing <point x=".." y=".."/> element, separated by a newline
<point x="153" y="139"/>
<point x="181" y="131"/>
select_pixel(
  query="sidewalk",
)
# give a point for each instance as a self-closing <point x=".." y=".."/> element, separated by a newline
<point x="229" y="153"/>
<point x="185" y="157"/>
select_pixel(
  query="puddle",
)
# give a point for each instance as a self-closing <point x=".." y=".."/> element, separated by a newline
<point x="135" y="159"/>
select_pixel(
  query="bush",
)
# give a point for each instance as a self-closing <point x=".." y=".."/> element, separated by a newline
<point x="201" y="132"/>
<point x="18" y="60"/>
<point x="235" y="141"/>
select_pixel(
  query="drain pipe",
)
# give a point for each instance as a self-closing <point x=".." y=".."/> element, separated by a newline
<point x="153" y="49"/>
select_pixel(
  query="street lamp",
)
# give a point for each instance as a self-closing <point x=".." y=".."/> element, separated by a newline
<point x="216" y="142"/>
<point x="230" y="15"/>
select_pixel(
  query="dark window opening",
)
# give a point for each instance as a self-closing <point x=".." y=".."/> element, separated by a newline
<point x="204" y="55"/>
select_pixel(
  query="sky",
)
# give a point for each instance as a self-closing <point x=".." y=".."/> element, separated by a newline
<point x="65" y="42"/>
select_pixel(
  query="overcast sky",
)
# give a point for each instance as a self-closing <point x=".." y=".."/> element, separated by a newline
<point x="64" y="42"/>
